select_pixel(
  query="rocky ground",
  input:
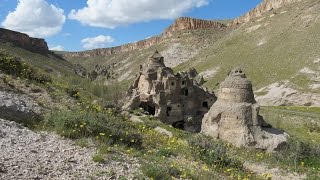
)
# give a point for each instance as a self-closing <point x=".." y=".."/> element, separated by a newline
<point x="29" y="155"/>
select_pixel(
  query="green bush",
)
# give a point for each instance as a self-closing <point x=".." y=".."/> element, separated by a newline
<point x="105" y="127"/>
<point x="13" y="66"/>
<point x="158" y="171"/>
<point x="212" y="152"/>
<point x="98" y="158"/>
<point x="297" y="152"/>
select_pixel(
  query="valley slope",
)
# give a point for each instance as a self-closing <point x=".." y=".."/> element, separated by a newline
<point x="276" y="43"/>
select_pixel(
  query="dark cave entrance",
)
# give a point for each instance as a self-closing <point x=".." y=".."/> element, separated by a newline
<point x="178" y="125"/>
<point x="147" y="106"/>
<point x="169" y="109"/>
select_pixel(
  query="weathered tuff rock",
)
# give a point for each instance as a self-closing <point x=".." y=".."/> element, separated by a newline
<point x="18" y="107"/>
<point x="24" y="41"/>
<point x="265" y="6"/>
<point x="183" y="23"/>
<point x="186" y="23"/>
<point x="175" y="99"/>
<point x="234" y="117"/>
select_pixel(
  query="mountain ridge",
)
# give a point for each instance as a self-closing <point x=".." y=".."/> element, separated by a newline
<point x="262" y="8"/>
<point x="182" y="23"/>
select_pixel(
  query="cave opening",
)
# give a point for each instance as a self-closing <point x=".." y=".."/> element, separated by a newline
<point x="148" y="107"/>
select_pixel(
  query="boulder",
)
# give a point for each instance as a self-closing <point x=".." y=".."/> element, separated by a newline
<point x="18" y="107"/>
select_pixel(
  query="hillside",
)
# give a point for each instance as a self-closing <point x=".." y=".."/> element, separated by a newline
<point x="276" y="43"/>
<point x="61" y="113"/>
<point x="178" y="43"/>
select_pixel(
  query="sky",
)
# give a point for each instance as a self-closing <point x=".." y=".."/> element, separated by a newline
<point x="77" y="25"/>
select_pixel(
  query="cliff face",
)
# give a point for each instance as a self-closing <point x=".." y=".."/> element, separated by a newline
<point x="118" y="49"/>
<point x="180" y="24"/>
<point x="23" y="41"/>
<point x="185" y="23"/>
<point x="265" y="6"/>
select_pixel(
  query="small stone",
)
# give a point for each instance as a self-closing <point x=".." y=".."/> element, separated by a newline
<point x="163" y="131"/>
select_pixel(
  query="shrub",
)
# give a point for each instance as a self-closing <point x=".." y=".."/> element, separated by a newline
<point x="98" y="158"/>
<point x="158" y="171"/>
<point x="106" y="128"/>
<point x="212" y="152"/>
<point x="297" y="151"/>
<point x="13" y="66"/>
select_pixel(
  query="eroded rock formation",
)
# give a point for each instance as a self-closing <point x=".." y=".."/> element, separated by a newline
<point x="23" y="41"/>
<point x="235" y="118"/>
<point x="176" y="99"/>
<point x="265" y="6"/>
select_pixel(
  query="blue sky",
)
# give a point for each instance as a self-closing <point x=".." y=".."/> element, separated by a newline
<point x="76" y="25"/>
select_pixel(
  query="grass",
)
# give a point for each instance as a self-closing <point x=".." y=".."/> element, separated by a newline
<point x="302" y="122"/>
<point x="98" y="158"/>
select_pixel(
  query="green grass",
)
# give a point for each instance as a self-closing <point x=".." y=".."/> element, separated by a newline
<point x="301" y="122"/>
<point x="98" y="158"/>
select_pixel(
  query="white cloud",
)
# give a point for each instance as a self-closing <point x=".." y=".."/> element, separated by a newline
<point x="36" y="18"/>
<point x="57" y="48"/>
<point x="113" y="13"/>
<point x="96" y="42"/>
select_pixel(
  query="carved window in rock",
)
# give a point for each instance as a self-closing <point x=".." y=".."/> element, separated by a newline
<point x="183" y="82"/>
<point x="169" y="109"/>
<point x="186" y="92"/>
<point x="172" y="83"/>
<point x="205" y="104"/>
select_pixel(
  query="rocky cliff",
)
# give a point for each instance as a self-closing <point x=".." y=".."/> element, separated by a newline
<point x="186" y="23"/>
<point x="265" y="6"/>
<point x="23" y="41"/>
<point x="118" y="49"/>
<point x="183" y="23"/>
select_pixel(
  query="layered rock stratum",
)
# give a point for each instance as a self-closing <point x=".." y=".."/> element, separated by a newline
<point x="23" y="40"/>
<point x="187" y="23"/>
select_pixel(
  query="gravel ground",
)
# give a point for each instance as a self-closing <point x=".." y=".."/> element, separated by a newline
<point x="25" y="154"/>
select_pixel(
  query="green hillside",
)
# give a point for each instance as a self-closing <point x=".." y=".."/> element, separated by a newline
<point x="272" y="48"/>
